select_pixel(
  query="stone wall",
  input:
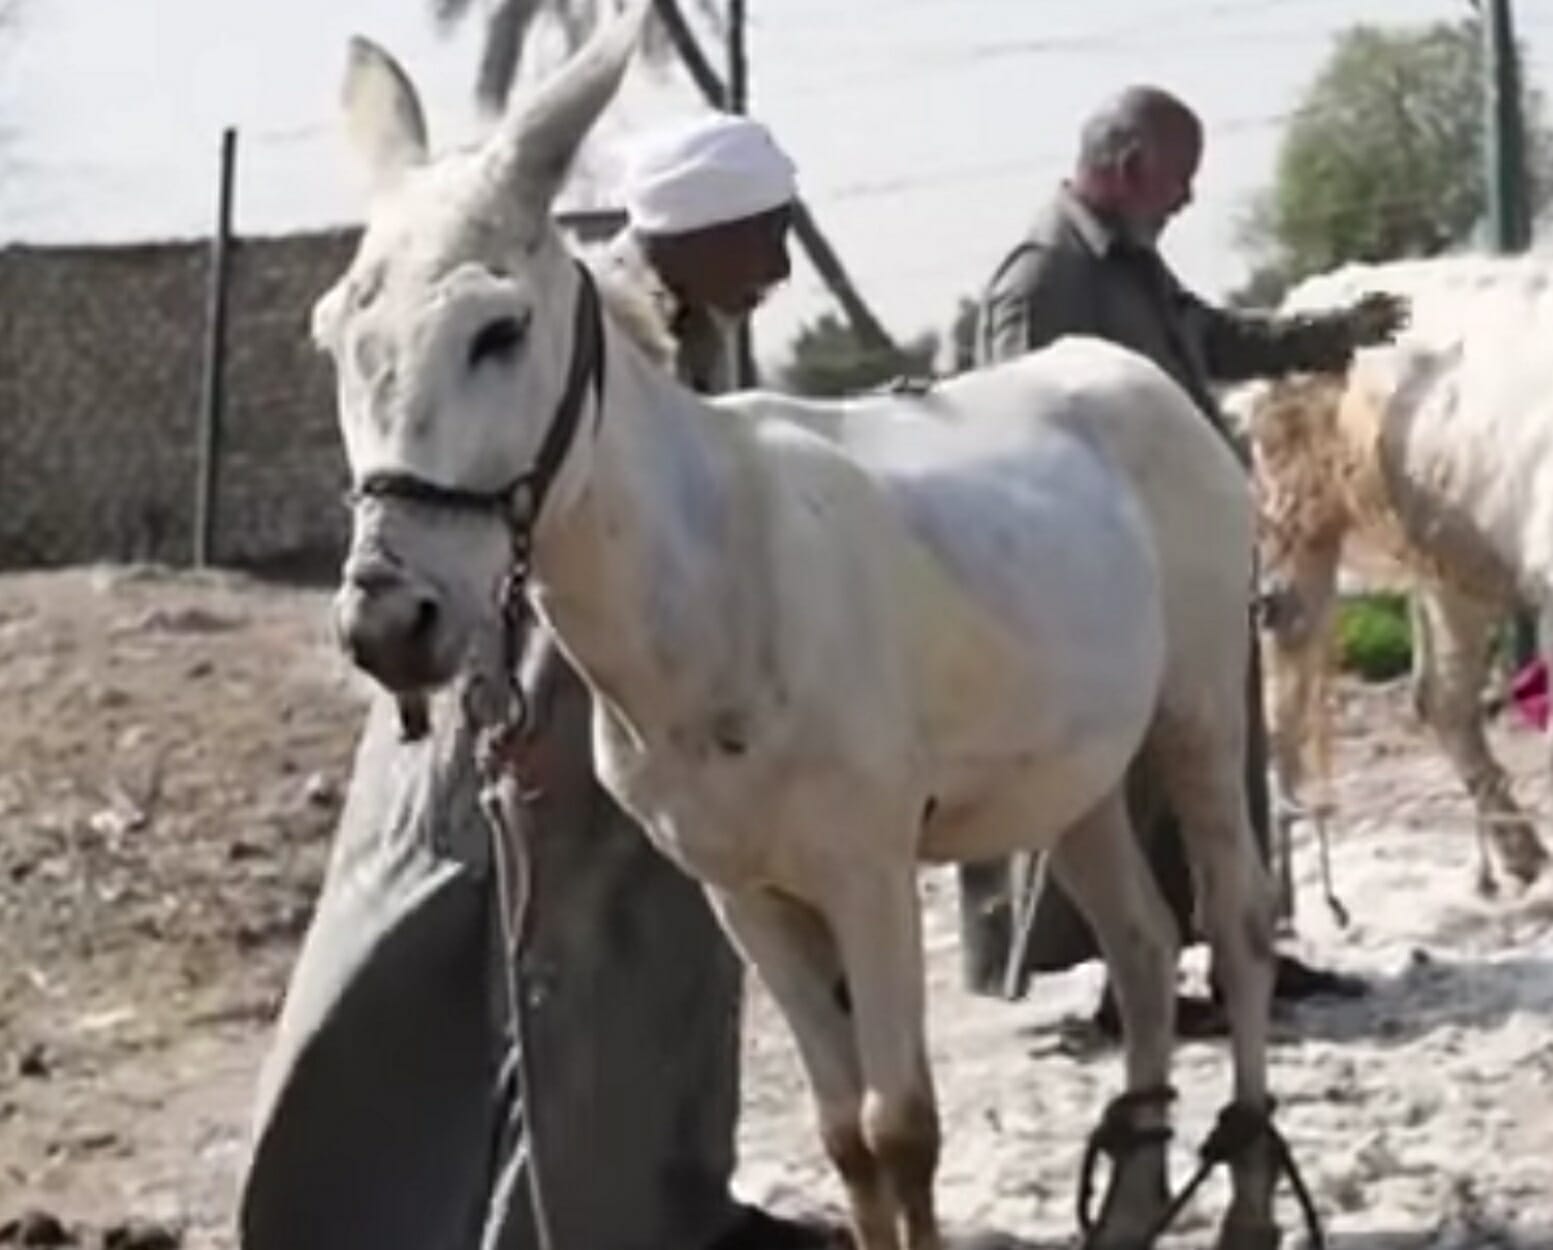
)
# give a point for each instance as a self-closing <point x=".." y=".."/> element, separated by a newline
<point x="100" y="372"/>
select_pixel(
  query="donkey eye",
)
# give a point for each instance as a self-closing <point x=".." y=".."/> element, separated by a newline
<point x="496" y="341"/>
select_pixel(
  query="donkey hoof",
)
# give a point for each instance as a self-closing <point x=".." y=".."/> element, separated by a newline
<point x="1485" y="886"/>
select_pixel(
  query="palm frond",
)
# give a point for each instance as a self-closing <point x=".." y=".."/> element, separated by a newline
<point x="449" y="13"/>
<point x="506" y="34"/>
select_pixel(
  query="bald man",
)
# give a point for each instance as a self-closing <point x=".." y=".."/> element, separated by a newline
<point x="1090" y="265"/>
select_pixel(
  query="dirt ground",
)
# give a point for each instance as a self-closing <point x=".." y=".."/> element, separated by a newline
<point x="172" y="754"/>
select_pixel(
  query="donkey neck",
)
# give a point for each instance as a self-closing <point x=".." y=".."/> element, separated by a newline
<point x="648" y="573"/>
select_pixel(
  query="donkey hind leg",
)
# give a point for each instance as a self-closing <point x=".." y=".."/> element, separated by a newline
<point x="877" y="921"/>
<point x="791" y="947"/>
<point x="1100" y="865"/>
<point x="1460" y="630"/>
<point x="1200" y="764"/>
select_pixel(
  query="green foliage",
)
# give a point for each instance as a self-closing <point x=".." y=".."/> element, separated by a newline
<point x="1385" y="155"/>
<point x="828" y="360"/>
<point x="1374" y="636"/>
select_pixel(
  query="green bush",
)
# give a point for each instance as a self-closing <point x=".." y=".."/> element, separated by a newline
<point x="1374" y="636"/>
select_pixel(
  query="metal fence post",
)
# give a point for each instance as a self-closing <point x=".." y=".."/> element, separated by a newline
<point x="212" y="388"/>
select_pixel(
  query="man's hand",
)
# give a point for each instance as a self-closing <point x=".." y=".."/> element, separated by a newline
<point x="1378" y="318"/>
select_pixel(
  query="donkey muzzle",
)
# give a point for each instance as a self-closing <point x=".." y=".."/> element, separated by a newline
<point x="389" y="625"/>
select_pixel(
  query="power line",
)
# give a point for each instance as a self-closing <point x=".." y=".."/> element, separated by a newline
<point x="1207" y="8"/>
<point x="281" y="136"/>
<point x="1016" y="167"/>
<point x="980" y="56"/>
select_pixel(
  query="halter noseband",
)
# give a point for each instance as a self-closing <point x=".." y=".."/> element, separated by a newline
<point x="520" y="500"/>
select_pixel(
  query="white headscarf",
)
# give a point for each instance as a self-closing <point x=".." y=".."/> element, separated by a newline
<point x="718" y="168"/>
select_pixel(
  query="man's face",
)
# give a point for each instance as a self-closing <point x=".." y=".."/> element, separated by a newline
<point x="730" y="266"/>
<point x="1159" y="179"/>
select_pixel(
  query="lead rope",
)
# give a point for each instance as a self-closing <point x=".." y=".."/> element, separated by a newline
<point x="504" y="804"/>
<point x="500" y="732"/>
<point x="512" y="863"/>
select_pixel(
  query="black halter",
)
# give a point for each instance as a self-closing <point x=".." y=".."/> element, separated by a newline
<point x="520" y="500"/>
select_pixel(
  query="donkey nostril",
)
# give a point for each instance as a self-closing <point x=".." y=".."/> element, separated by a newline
<point x="425" y="619"/>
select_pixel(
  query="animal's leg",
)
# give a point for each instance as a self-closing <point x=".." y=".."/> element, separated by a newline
<point x="1200" y="763"/>
<point x="1425" y="694"/>
<point x="1423" y="659"/>
<point x="877" y="920"/>
<point x="1298" y="619"/>
<point x="1461" y="631"/>
<point x="791" y="947"/>
<point x="1101" y="866"/>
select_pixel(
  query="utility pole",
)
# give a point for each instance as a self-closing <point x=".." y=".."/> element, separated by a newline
<point x="736" y="100"/>
<point x="1509" y="212"/>
<point x="1509" y="207"/>
<point x="738" y="62"/>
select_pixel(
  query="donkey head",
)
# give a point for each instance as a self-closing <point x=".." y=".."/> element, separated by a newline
<point x="454" y="335"/>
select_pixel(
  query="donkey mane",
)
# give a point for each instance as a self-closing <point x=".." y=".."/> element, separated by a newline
<point x="632" y="310"/>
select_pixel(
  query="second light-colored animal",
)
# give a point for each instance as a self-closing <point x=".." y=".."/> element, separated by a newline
<point x="1438" y="452"/>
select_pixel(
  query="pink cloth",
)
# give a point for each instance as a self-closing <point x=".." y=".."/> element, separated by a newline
<point x="1529" y="694"/>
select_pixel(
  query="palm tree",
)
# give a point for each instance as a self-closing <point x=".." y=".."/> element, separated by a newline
<point x="508" y="24"/>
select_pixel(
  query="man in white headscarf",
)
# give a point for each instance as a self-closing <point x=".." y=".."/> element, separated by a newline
<point x="710" y="206"/>
<point x="389" y="1115"/>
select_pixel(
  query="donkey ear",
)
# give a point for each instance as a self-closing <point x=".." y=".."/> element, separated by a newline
<point x="540" y="136"/>
<point x="383" y="115"/>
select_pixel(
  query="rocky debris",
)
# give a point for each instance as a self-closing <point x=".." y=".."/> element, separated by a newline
<point x="36" y="1228"/>
<point x="34" y="1062"/>
<point x="141" y="1235"/>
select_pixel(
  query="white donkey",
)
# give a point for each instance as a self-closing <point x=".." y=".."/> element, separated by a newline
<point x="825" y="641"/>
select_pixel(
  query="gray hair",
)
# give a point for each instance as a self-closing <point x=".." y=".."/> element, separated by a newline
<point x="1139" y="117"/>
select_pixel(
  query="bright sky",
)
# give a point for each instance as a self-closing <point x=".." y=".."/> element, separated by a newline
<point x="926" y="131"/>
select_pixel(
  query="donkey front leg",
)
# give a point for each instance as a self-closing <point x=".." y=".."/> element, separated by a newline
<point x="1201" y="763"/>
<point x="1099" y="863"/>
<point x="876" y="916"/>
<point x="792" y="948"/>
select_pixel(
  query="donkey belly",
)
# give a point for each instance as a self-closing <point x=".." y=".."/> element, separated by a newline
<point x="1029" y="804"/>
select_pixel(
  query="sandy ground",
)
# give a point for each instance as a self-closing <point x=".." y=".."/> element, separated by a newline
<point x="171" y="757"/>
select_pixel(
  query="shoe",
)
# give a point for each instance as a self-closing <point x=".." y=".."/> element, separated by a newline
<point x="1196" y="1018"/>
<point x="1296" y="980"/>
<point x="754" y="1229"/>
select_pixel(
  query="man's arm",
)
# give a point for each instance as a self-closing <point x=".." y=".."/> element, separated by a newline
<point x="1035" y="298"/>
<point x="1238" y="345"/>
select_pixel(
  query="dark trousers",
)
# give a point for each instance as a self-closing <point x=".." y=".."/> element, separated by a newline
<point x="992" y="892"/>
